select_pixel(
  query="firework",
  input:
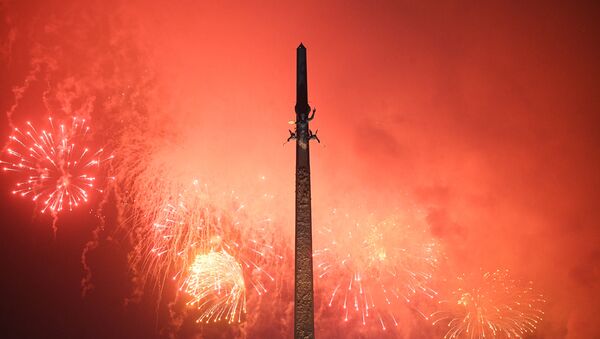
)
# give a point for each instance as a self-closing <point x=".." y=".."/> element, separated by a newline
<point x="216" y="285"/>
<point x="490" y="305"/>
<point x="54" y="165"/>
<point x="182" y="229"/>
<point x="371" y="267"/>
<point x="196" y="225"/>
<point x="195" y="222"/>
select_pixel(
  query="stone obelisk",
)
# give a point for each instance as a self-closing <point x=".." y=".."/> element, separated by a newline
<point x="303" y="300"/>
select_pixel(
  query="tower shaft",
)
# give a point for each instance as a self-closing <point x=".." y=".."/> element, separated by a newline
<point x="303" y="300"/>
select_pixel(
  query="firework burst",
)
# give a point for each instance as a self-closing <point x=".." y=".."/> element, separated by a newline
<point x="490" y="305"/>
<point x="54" y="165"/>
<point x="196" y="226"/>
<point x="371" y="267"/>
<point x="215" y="282"/>
<point x="195" y="222"/>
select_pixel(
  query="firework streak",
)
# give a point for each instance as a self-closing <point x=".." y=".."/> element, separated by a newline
<point x="371" y="267"/>
<point x="54" y="165"/>
<point x="216" y="284"/>
<point x="490" y="305"/>
<point x="209" y="246"/>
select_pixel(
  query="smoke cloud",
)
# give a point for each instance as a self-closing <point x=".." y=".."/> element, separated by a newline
<point x="482" y="118"/>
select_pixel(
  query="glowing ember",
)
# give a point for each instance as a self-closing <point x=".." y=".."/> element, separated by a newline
<point x="373" y="266"/>
<point x="492" y="305"/>
<point x="216" y="285"/>
<point x="54" y="166"/>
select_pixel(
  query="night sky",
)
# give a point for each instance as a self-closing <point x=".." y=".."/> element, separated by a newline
<point x="482" y="116"/>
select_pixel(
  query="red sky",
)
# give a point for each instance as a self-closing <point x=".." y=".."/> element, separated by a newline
<point x="484" y="115"/>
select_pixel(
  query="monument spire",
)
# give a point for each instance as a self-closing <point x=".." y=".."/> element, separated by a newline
<point x="303" y="300"/>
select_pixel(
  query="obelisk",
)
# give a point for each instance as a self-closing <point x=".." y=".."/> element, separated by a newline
<point x="303" y="300"/>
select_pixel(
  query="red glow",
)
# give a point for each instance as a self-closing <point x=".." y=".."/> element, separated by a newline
<point x="481" y="117"/>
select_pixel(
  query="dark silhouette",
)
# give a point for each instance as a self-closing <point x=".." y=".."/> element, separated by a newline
<point x="303" y="301"/>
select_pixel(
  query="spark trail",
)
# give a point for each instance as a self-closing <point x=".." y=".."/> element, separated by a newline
<point x="490" y="305"/>
<point x="372" y="266"/>
<point x="196" y="225"/>
<point x="53" y="165"/>
<point x="215" y="282"/>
